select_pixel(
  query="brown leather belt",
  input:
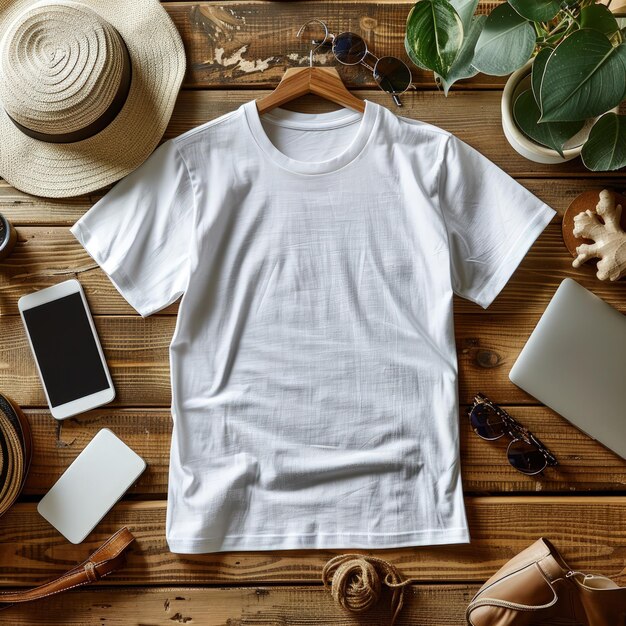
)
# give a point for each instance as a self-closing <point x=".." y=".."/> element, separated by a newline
<point x="107" y="558"/>
<point x="16" y="449"/>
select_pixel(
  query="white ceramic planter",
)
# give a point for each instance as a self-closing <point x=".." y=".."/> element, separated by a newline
<point x="518" y="82"/>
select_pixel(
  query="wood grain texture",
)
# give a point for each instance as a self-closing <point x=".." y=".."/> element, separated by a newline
<point x="584" y="464"/>
<point x="137" y="353"/>
<point x="24" y="209"/>
<point x="589" y="531"/>
<point x="239" y="606"/>
<point x="250" y="44"/>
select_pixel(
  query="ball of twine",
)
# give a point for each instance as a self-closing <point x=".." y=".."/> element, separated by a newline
<point x="356" y="582"/>
<point x="60" y="67"/>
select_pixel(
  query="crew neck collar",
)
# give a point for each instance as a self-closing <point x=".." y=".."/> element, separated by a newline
<point x="313" y="121"/>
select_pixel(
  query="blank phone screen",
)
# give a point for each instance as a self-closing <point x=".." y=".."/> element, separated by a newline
<point x="66" y="350"/>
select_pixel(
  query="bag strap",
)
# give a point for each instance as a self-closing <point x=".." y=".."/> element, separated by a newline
<point x="106" y="559"/>
<point x="505" y="604"/>
<point x="478" y="601"/>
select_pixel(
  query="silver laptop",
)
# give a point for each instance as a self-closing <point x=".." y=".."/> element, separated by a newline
<point x="575" y="363"/>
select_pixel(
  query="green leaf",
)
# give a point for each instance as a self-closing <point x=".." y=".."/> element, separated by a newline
<point x="536" y="10"/>
<point x="598" y="17"/>
<point x="412" y="57"/>
<point x="585" y="76"/>
<point x="539" y="66"/>
<point x="506" y="43"/>
<point x="434" y="34"/>
<point x="550" y="134"/>
<point x="606" y="147"/>
<point x="465" y="9"/>
<point x="462" y="66"/>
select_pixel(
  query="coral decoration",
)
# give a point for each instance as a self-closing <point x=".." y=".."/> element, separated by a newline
<point x="603" y="227"/>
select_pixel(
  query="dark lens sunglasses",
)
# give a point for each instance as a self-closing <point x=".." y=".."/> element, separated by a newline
<point x="391" y="74"/>
<point x="525" y="452"/>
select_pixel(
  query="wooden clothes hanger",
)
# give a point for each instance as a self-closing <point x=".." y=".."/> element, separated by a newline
<point x="320" y="81"/>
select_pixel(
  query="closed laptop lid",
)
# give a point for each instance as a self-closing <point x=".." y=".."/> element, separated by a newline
<point x="575" y="363"/>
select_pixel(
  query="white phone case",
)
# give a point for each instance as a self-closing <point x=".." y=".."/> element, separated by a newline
<point x="91" y="485"/>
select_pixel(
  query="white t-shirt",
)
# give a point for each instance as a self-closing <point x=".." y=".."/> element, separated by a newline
<point x="313" y="365"/>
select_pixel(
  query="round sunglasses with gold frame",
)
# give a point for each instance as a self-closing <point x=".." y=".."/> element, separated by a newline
<point x="391" y="74"/>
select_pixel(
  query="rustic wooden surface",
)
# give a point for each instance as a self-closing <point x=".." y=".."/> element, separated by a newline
<point x="236" y="50"/>
<point x="243" y="606"/>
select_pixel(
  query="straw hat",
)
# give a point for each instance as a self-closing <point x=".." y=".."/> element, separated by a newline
<point x="86" y="90"/>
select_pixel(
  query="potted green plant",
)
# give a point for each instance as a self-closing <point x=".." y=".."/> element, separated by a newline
<point x="567" y="61"/>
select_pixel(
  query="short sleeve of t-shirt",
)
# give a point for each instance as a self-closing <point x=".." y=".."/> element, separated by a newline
<point x="140" y="232"/>
<point x="491" y="221"/>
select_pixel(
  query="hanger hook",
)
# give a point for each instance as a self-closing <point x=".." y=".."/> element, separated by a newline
<point x="320" y="43"/>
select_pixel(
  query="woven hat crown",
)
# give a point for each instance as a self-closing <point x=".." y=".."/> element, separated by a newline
<point x="61" y="67"/>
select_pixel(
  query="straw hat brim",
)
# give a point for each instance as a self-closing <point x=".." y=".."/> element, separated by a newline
<point x="158" y="67"/>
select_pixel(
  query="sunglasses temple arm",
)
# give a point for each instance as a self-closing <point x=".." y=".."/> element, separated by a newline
<point x="549" y="456"/>
<point x="395" y="97"/>
<point x="324" y="43"/>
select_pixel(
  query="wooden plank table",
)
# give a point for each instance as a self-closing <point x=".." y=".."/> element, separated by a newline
<point x="236" y="51"/>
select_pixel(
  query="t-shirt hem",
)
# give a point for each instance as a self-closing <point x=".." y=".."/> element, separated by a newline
<point x="513" y="258"/>
<point x="340" y="541"/>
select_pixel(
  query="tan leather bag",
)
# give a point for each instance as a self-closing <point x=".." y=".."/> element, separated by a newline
<point x="537" y="587"/>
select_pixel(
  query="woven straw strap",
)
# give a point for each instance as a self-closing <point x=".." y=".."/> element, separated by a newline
<point x="106" y="559"/>
<point x="15" y="452"/>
